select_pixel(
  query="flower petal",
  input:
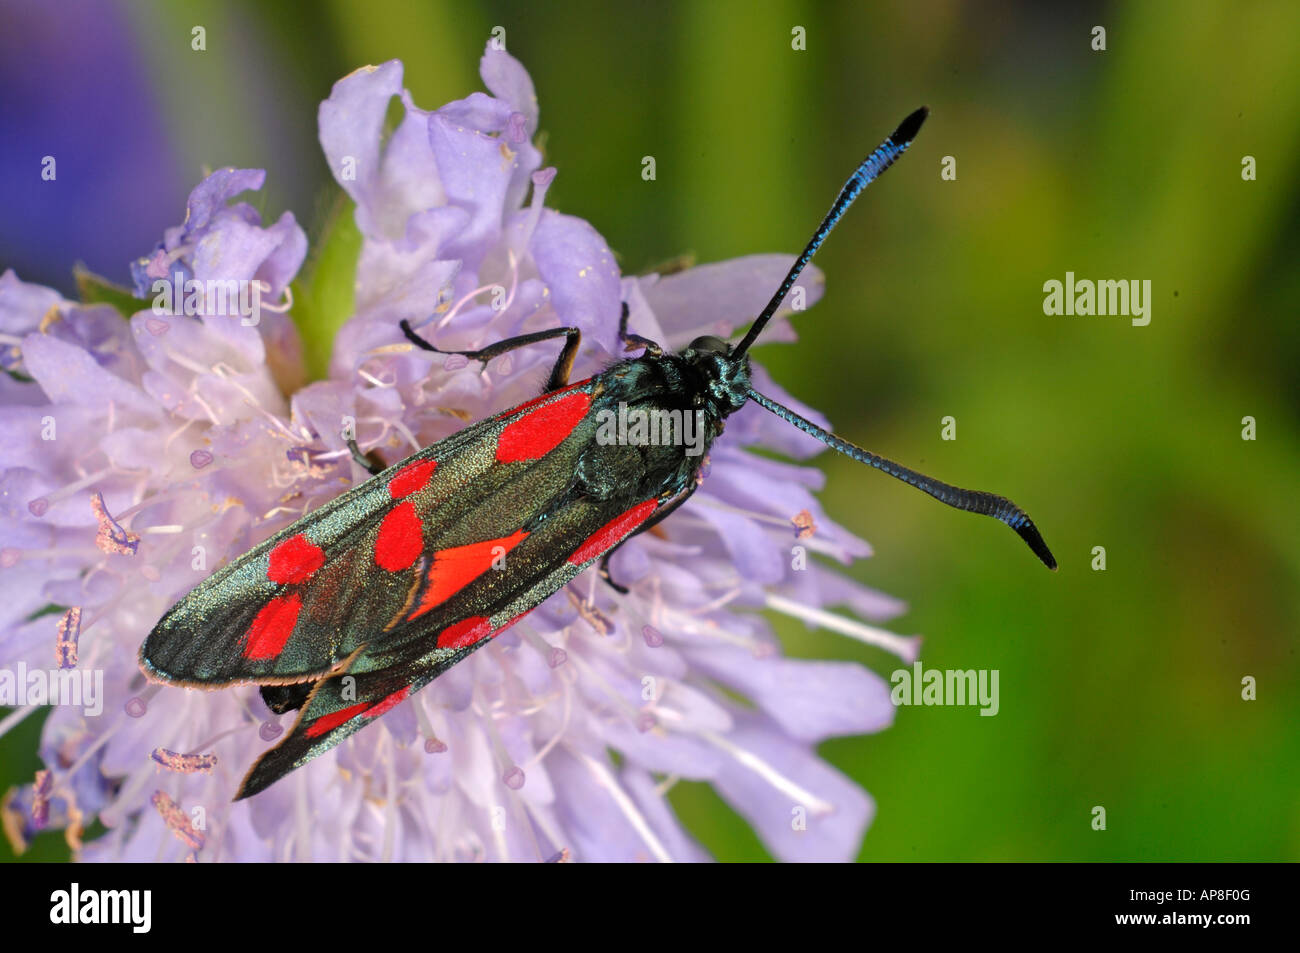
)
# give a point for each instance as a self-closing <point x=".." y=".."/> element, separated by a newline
<point x="811" y="700"/>
<point x="68" y="373"/>
<point x="580" y="271"/>
<point x="351" y="122"/>
<point x="803" y="809"/>
<point x="735" y="292"/>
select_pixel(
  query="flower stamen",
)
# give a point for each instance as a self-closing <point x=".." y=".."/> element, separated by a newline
<point x="906" y="647"/>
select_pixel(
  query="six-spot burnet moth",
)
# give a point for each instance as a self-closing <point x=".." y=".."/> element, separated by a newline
<point x="364" y="601"/>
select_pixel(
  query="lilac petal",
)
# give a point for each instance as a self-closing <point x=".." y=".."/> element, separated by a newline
<point x="247" y="845"/>
<point x="688" y="708"/>
<point x="778" y="784"/>
<point x="800" y="478"/>
<point x="454" y="689"/>
<point x="511" y="84"/>
<point x="24" y="594"/>
<point x="67" y="373"/>
<point x="408" y="183"/>
<point x="735" y="290"/>
<point x="186" y="339"/>
<point x="87" y="592"/>
<point x="403" y="283"/>
<point x="601" y="821"/>
<point x="517" y="739"/>
<point x="351" y="122"/>
<point x="359" y="338"/>
<point x="243" y="340"/>
<point x="811" y="700"/>
<point x="134" y="734"/>
<point x="752" y="549"/>
<point x="20" y="435"/>
<point x="280" y="267"/>
<point x="320" y="408"/>
<point x="578" y="267"/>
<point x="475" y="768"/>
<point x="779" y="490"/>
<point x="241" y="251"/>
<point x="13" y="392"/>
<point x="99" y="329"/>
<point x="22" y="305"/>
<point x="658" y="812"/>
<point x="526" y="658"/>
<point x="660" y="749"/>
<point x="476" y="177"/>
<point x="507" y="80"/>
<point x="210" y="196"/>
<point x="477" y="112"/>
<point x="838" y="590"/>
<point x="757" y="491"/>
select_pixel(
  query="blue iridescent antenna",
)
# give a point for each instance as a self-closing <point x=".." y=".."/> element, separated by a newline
<point x="881" y="159"/>
<point x="972" y="501"/>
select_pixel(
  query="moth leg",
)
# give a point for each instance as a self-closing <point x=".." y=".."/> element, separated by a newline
<point x="653" y="521"/>
<point x="364" y="461"/>
<point x="631" y="341"/>
<point x="604" y="570"/>
<point x="559" y="373"/>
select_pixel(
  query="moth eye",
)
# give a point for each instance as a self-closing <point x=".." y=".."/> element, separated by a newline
<point x="710" y="343"/>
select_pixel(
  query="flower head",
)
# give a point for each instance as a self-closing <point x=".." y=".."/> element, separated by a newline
<point x="180" y="441"/>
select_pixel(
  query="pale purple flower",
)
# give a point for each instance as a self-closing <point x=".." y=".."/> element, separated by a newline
<point x="187" y="434"/>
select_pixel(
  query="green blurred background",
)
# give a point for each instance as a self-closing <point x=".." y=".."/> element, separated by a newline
<point x="1119" y="688"/>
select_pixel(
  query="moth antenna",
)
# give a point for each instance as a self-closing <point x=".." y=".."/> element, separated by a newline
<point x="872" y="166"/>
<point x="973" y="501"/>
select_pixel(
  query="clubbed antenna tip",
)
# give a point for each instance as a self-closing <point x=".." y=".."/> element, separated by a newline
<point x="972" y="501"/>
<point x="880" y="159"/>
<point x="908" y="128"/>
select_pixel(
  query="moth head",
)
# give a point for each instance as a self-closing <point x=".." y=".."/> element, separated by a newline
<point x="721" y="380"/>
<point x="709" y="344"/>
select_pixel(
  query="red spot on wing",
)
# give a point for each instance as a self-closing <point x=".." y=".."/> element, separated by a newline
<point x="400" y="538"/>
<point x="272" y="626"/>
<point x="540" y="431"/>
<point x="410" y="478"/>
<point x="456" y="567"/>
<point x="331" y="721"/>
<point x="335" y="718"/>
<point x="613" y="531"/>
<point x="464" y="633"/>
<point x="389" y="703"/>
<point x="294" y="560"/>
